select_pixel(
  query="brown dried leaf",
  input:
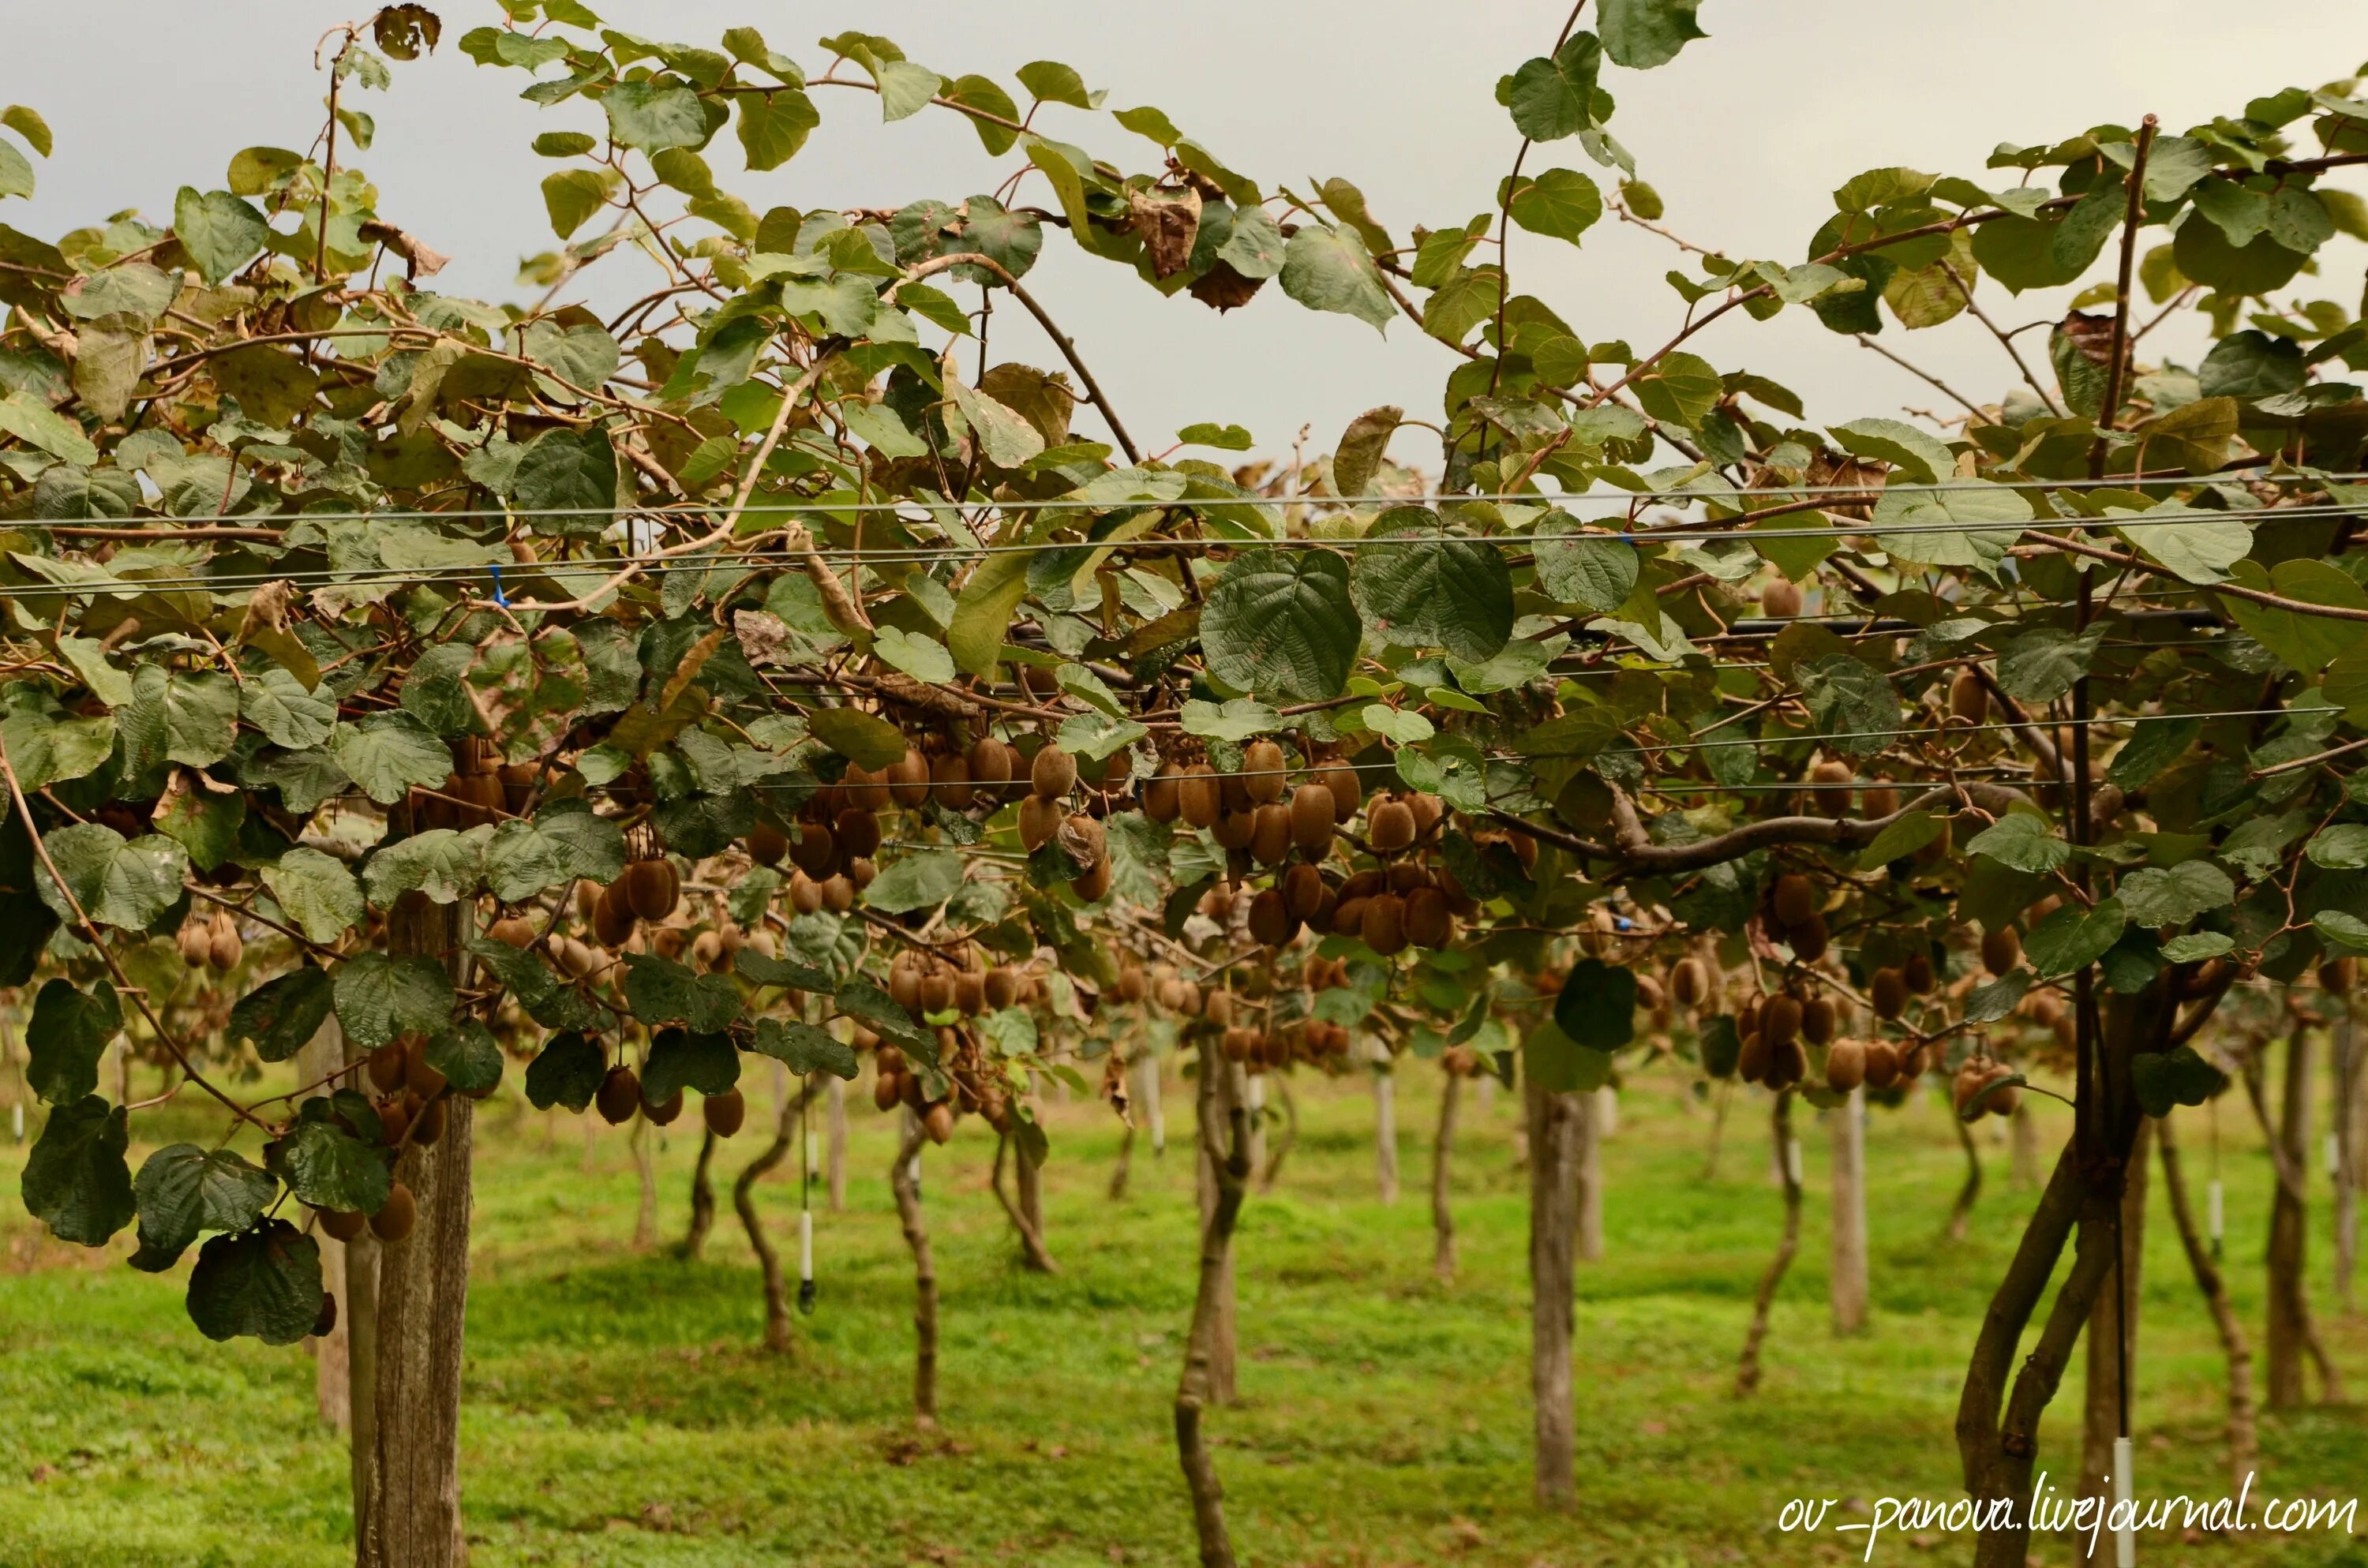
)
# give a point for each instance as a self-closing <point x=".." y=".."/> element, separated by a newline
<point x="1167" y="221"/>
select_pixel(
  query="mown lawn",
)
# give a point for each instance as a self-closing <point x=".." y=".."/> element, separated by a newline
<point x="621" y="1410"/>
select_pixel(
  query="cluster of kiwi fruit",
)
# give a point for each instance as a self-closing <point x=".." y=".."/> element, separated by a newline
<point x="1045" y="818"/>
<point x="411" y="1106"/>
<point x="621" y="1097"/>
<point x="211" y="943"/>
<point x="1977" y="1073"/>
<point x="1794" y="911"/>
<point x="926" y="984"/>
<point x="481" y="789"/>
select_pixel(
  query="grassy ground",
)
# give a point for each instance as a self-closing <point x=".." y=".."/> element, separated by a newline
<point x="621" y="1412"/>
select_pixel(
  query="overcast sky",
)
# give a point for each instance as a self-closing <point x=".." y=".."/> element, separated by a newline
<point x="1746" y="135"/>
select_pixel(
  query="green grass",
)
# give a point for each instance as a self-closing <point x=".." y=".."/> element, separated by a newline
<point x="619" y="1410"/>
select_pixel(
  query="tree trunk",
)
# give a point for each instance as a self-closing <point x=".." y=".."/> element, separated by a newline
<point x="703" y="1202"/>
<point x="2006" y="1389"/>
<point x="1290" y="1136"/>
<point x="903" y="1179"/>
<point x="1254" y="1092"/>
<point x="1725" y="1093"/>
<point x="1026" y="1215"/>
<point x="412" y="1516"/>
<point x="2022" y="1129"/>
<point x="332" y="1363"/>
<point x="1555" y="1122"/>
<point x="2347" y="1162"/>
<point x="1961" y="1213"/>
<point x="1386" y="1129"/>
<point x="1607" y="1112"/>
<point x="743" y="1203"/>
<point x="1846" y="1290"/>
<point x="645" y="1218"/>
<point x="1442" y="1213"/>
<point x="1217" y="1105"/>
<point x="1120" y="1171"/>
<point x="2113" y="1349"/>
<point x="838" y="1153"/>
<point x="1146" y="1094"/>
<point x="2293" y="1338"/>
<point x="1747" y="1372"/>
<point x="1588" y="1132"/>
<point x="2243" y="1448"/>
<point x="1213" y="1305"/>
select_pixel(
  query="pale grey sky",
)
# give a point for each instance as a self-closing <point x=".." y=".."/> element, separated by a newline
<point x="1746" y="135"/>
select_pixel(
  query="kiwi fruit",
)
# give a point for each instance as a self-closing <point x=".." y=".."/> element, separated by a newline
<point x="1389" y="826"/>
<point x="969" y="993"/>
<point x="1095" y="885"/>
<point x="1780" y="1020"/>
<point x="1879" y="799"/>
<point x="887" y="1088"/>
<point x="1270" y="834"/>
<point x="723" y="1113"/>
<point x="1217" y="1006"/>
<point x="1084" y="839"/>
<point x="1002" y="986"/>
<point x="907" y="779"/>
<point x="1428" y="923"/>
<point x="990" y="763"/>
<point x="653" y="888"/>
<point x="1349" y="915"/>
<point x="385" y="1067"/>
<point x="706" y="949"/>
<point x="1751" y="1061"/>
<point x="1161" y="797"/>
<point x="1302" y="891"/>
<point x="1916" y="973"/>
<point x="619" y="1097"/>
<point x="577" y="958"/>
<point x="1311" y="819"/>
<point x="393" y="1121"/>
<point x="1881" y="1060"/>
<point x="1887" y="993"/>
<point x="664" y="1112"/>
<point x="1262" y="767"/>
<point x="950" y="782"/>
<point x="1235" y="829"/>
<point x="1430" y="810"/>
<point x="1134" y="985"/>
<point x="2001" y="950"/>
<point x="1053" y="774"/>
<point x="397" y="1216"/>
<point x="223" y="950"/>
<point x="1271" y="920"/>
<point x="196" y="944"/>
<point x="428" y="1122"/>
<point x="1829" y="799"/>
<point x="1819" y="1020"/>
<point x="1809" y="939"/>
<point x="1780" y="599"/>
<point x="1969" y="701"/>
<point x="341" y="1224"/>
<point x="815" y="852"/>
<point x="1793" y="900"/>
<point x="2339" y="975"/>
<point x="1788" y="1063"/>
<point x="1690" y="982"/>
<point x="612" y="917"/>
<point x="860" y="872"/>
<point x="937" y="1121"/>
<point x="512" y="931"/>
<point x="1845" y="1065"/>
<point x="1347" y="792"/>
<point x="1382" y="923"/>
<point x="805" y="893"/>
<point x="417" y="1077"/>
<point x="1039" y="818"/>
<point x="1199" y="799"/>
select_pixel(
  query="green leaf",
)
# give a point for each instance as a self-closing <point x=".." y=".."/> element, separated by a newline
<point x="921" y="657"/>
<point x="804" y="1049"/>
<point x="36" y="425"/>
<point x="47" y="745"/>
<point x="219" y="233"/>
<point x="1988" y="1004"/>
<point x="921" y="880"/>
<point x="444" y="863"/>
<point x="316" y="891"/>
<point x="680" y="1059"/>
<point x="570" y="196"/>
<point x="2204" y="255"/>
<point x="1005" y="436"/>
<point x="2302" y="642"/>
<point x="654" y="115"/>
<point x="328" y="1167"/>
<point x="15" y="171"/>
<point x="1680" y="388"/>
<point x="1562" y="204"/>
<point x="380" y="998"/>
<point x="565" y="841"/>
<point x="1329" y="269"/>
<point x="76" y="1180"/>
<point x="2196" y="945"/>
<point x="1225" y="437"/>
<point x="566" y="1072"/>
<point x="1641" y="34"/>
<point x="861" y="999"/>
<point x="116" y="882"/>
<point x="2156" y="896"/>
<point x="863" y="738"/>
<point x="68" y="1032"/>
<point x="1049" y="82"/>
<point x="773" y="126"/>
<point x="390" y="754"/>
<point x="2023" y="841"/>
<point x="2199" y="545"/>
<point x="983" y="614"/>
<point x="1281" y="624"/>
<point x="1917" y="456"/>
<point x="2045" y="663"/>
<point x="468" y="1056"/>
<point x="277" y="703"/>
<point x="1597" y="1006"/>
<point x="2340" y="848"/>
<point x="1559" y="1064"/>
<point x="265" y="1282"/>
<point x="28" y="123"/>
<point x="660" y="991"/>
<point x="2341" y="932"/>
<point x="1906" y="837"/>
<point x="184" y="1190"/>
<point x="1550" y="99"/>
<point x="1359" y="455"/>
<point x="186" y="716"/>
<point x="280" y="1015"/>
<point x="1436" y="590"/>
<point x="568" y="472"/>
<point x="762" y="969"/>
<point x="2072" y="939"/>
<point x="2165" y="1079"/>
<point x="1239" y="719"/>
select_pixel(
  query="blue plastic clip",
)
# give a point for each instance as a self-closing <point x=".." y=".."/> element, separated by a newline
<point x="500" y="598"/>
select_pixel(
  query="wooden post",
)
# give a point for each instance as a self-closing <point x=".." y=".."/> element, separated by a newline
<point x="1587" y="1150"/>
<point x="2287" y="1343"/>
<point x="1553" y="1130"/>
<point x="2347" y="1162"/>
<point x="1443" y="1210"/>
<point x="1219" y="1098"/>
<point x="1847" y="1284"/>
<point x="2113" y="1349"/>
<point x="1386" y="1125"/>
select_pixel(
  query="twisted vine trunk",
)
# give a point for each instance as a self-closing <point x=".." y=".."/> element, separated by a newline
<point x="2243" y="1444"/>
<point x="2113" y="1345"/>
<point x="645" y="1216"/>
<point x="2293" y="1336"/>
<point x="1442" y="1212"/>
<point x="1283" y="1145"/>
<point x="1125" y="1166"/>
<point x="2347" y="1162"/>
<point x="2003" y="1398"/>
<point x="1385" y="1130"/>
<point x="703" y="1202"/>
<point x="836" y="1152"/>
<point x="1212" y="1306"/>
<point x="902" y="1180"/>
<point x="2023" y="1131"/>
<point x="743" y="1203"/>
<point x="1026" y="1215"/>
<point x="1961" y="1213"/>
<point x="410" y="1514"/>
<point x="1746" y="1371"/>
<point x="1553" y="1121"/>
<point x="1218" y="1107"/>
